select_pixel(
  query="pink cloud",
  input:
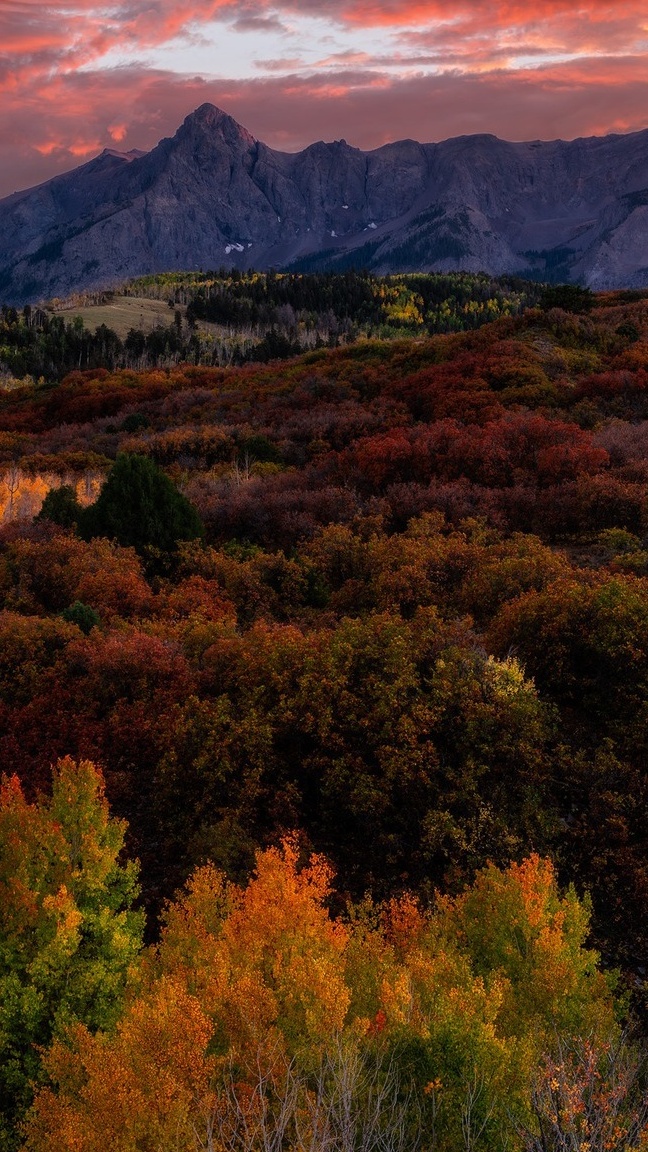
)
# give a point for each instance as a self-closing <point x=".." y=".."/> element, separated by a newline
<point x="78" y="32"/>
<point x="289" y="112"/>
<point x="453" y="70"/>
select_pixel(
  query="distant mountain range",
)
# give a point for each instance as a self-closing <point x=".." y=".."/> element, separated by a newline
<point x="213" y="196"/>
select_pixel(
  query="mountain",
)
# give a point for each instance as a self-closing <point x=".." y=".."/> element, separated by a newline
<point x="213" y="196"/>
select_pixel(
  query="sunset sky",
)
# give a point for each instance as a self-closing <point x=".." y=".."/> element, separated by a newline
<point x="77" y="75"/>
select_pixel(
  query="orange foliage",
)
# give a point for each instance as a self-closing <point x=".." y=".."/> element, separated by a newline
<point x="275" y="961"/>
<point x="141" y="1088"/>
<point x="54" y="573"/>
<point x="267" y="978"/>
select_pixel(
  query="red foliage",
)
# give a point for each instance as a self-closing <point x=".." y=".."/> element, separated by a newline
<point x="519" y="448"/>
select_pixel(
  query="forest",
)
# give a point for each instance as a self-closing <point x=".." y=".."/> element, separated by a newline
<point x="230" y="317"/>
<point x="323" y="700"/>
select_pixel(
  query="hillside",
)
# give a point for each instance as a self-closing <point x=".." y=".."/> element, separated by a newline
<point x="373" y="515"/>
<point x="212" y="193"/>
<point x="353" y="645"/>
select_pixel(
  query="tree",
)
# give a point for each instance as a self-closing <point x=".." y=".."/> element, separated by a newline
<point x="68" y="932"/>
<point x="139" y="506"/>
<point x="589" y="1098"/>
<point x="137" y="1088"/>
<point x="61" y="507"/>
<point x="593" y="659"/>
<point x="569" y="297"/>
<point x="273" y="965"/>
<point x="262" y="1022"/>
<point x="517" y="924"/>
<point x="82" y="615"/>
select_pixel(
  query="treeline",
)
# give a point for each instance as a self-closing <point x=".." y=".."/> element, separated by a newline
<point x="39" y="345"/>
<point x="259" y="317"/>
<point x="263" y="1019"/>
<point x="372" y="304"/>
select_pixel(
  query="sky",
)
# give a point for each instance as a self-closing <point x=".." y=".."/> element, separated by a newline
<point x="77" y="76"/>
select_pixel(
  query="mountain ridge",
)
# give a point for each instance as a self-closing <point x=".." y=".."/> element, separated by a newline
<point x="214" y="195"/>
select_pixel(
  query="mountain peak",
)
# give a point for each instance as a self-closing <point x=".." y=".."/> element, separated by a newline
<point x="207" y="113"/>
<point x="212" y="120"/>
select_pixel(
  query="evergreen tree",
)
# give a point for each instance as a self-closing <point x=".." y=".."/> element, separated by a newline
<point x="61" y="507"/>
<point x="140" y="507"/>
<point x="82" y="615"/>
<point x="569" y="297"/>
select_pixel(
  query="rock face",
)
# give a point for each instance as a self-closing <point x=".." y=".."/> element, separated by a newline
<point x="213" y="196"/>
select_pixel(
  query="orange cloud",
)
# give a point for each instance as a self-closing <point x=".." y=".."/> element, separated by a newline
<point x="486" y="13"/>
<point x="78" y="32"/>
<point x="83" y="148"/>
<point x="48" y="147"/>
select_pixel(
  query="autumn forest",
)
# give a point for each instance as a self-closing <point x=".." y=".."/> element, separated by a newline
<point x="323" y="720"/>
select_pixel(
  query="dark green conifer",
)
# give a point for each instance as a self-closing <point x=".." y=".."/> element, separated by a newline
<point x="82" y="615"/>
<point x="140" y="507"/>
<point x="61" y="507"/>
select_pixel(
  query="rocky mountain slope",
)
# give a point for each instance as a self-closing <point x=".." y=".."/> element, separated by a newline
<point x="214" y="196"/>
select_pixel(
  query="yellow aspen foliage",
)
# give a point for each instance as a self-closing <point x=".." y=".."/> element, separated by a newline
<point x="281" y="935"/>
<point x="191" y="949"/>
<point x="516" y="926"/>
<point x="440" y="1019"/>
<point x="69" y="938"/>
<point x="258" y="1008"/>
